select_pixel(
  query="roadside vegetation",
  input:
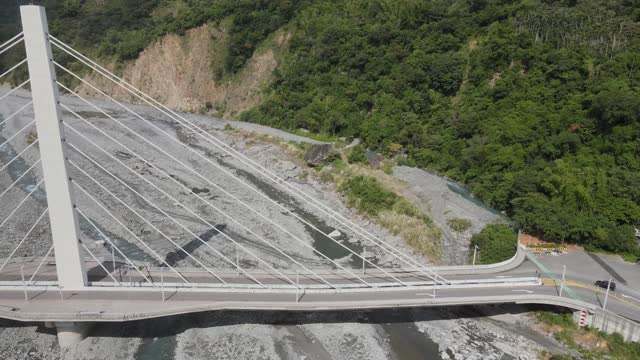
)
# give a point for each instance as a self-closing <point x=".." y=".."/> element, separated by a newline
<point x="533" y="104"/>
<point x="496" y="243"/>
<point x="589" y="343"/>
<point x="397" y="214"/>
<point x="626" y="256"/>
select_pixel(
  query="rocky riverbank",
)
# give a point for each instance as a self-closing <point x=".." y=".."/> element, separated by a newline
<point x="495" y="332"/>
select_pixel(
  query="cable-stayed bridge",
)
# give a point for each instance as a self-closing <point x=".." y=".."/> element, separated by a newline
<point x="114" y="212"/>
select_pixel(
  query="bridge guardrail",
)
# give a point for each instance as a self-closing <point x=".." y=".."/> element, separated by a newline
<point x="175" y="308"/>
<point x="506" y="265"/>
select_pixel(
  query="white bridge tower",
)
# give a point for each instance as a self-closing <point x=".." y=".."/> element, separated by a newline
<point x="48" y="116"/>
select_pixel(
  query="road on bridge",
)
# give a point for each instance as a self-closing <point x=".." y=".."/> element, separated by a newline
<point x="106" y="303"/>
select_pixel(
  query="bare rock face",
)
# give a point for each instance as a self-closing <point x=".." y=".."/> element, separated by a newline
<point x="318" y="154"/>
<point x="176" y="70"/>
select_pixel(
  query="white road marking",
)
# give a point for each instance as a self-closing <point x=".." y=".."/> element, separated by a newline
<point x="425" y="294"/>
<point x="503" y="276"/>
<point x="630" y="297"/>
<point x="527" y="291"/>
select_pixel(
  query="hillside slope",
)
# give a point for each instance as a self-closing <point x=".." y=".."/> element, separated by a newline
<point x="534" y="104"/>
<point x="187" y="82"/>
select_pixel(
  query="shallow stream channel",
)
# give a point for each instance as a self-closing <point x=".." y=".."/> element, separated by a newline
<point x="234" y="335"/>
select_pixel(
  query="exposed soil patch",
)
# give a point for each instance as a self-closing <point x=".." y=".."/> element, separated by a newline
<point x="177" y="71"/>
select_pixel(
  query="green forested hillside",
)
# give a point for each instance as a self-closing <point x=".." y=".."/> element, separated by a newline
<point x="534" y="104"/>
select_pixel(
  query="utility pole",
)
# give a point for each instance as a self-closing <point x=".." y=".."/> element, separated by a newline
<point x="606" y="296"/>
<point x="564" y="270"/>
<point x="48" y="117"/>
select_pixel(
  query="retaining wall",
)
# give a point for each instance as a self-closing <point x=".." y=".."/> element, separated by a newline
<point x="610" y="323"/>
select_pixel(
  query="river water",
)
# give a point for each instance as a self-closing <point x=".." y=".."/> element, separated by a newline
<point x="402" y="340"/>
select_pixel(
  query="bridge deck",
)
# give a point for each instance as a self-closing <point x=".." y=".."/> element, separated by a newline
<point x="125" y="304"/>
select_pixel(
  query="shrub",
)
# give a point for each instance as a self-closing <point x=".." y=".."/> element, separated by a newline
<point x="366" y="194"/>
<point x="616" y="239"/>
<point x="387" y="167"/>
<point x="357" y="155"/>
<point x="496" y="243"/>
<point x="459" y="225"/>
<point x="32" y="136"/>
<point x="422" y="236"/>
<point x="553" y="318"/>
<point x="632" y="258"/>
<point x="394" y="148"/>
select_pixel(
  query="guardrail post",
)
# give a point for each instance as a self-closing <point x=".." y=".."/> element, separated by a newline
<point x="564" y="270"/>
<point x="162" y="281"/>
<point x="297" y="285"/>
<point x="435" y="283"/>
<point x="113" y="260"/>
<point x="238" y="261"/>
<point x="24" y="284"/>
<point x="46" y="107"/>
<point x="475" y="249"/>
<point x="606" y="296"/>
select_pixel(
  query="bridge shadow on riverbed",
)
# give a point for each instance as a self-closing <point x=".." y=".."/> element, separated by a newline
<point x="175" y="325"/>
<point x="175" y="256"/>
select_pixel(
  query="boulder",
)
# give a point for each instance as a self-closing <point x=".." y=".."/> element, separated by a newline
<point x="318" y="154"/>
<point x="375" y="160"/>
<point x="354" y="143"/>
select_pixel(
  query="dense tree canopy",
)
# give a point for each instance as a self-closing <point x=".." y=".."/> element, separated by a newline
<point x="538" y="116"/>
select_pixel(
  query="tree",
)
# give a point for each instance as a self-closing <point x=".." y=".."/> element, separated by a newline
<point x="496" y="243"/>
<point x="615" y="107"/>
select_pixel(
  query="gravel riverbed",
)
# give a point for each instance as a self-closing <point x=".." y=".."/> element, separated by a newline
<point x="451" y="333"/>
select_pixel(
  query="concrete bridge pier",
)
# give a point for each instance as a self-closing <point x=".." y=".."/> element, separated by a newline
<point x="72" y="333"/>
